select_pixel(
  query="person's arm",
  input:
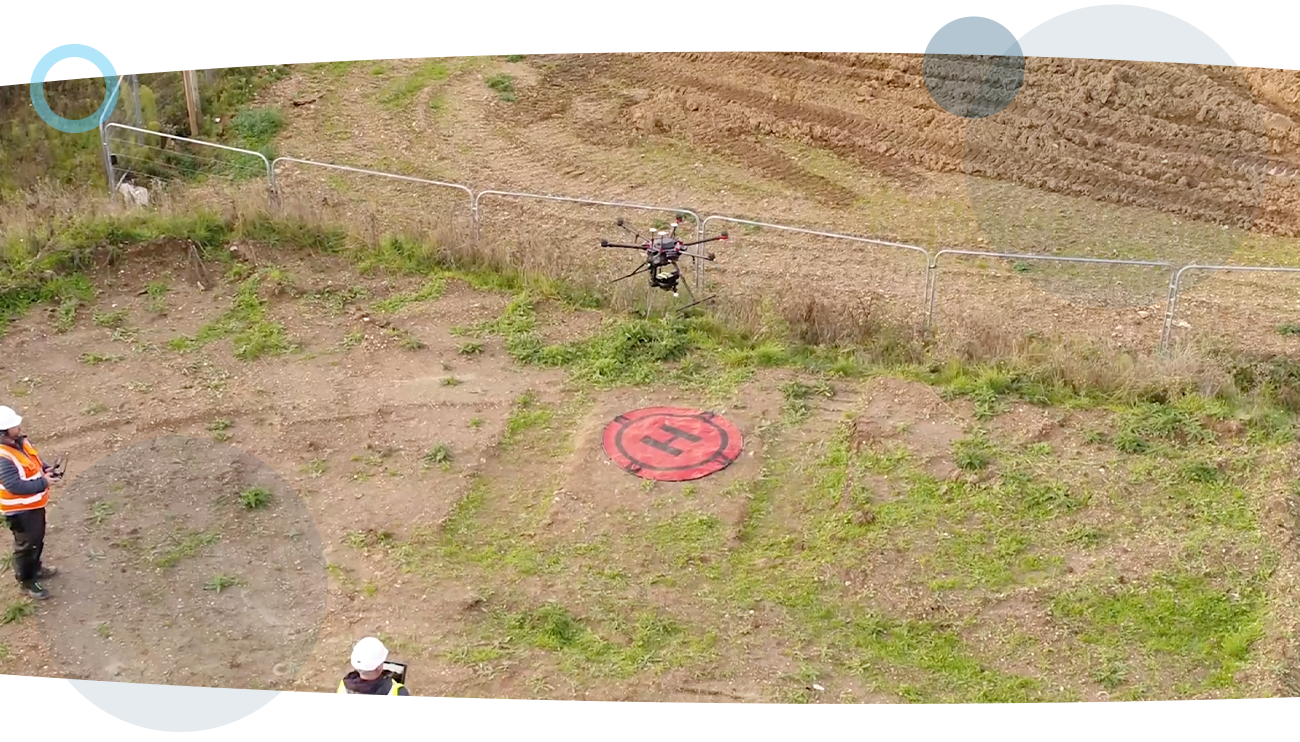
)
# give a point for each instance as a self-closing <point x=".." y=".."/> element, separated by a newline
<point x="13" y="481"/>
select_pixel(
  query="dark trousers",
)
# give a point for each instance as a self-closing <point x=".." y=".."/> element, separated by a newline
<point x="29" y="541"/>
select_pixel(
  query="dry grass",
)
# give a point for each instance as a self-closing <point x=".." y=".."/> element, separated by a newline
<point x="835" y="330"/>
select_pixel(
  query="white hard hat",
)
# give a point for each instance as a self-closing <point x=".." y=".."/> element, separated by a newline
<point x="369" y="654"/>
<point x="9" y="419"/>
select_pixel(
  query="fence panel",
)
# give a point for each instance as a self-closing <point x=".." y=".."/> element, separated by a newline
<point x="1241" y="306"/>
<point x="1004" y="297"/>
<point x="375" y="204"/>
<point x="822" y="281"/>
<point x="166" y="164"/>
<point x="126" y="112"/>
<point x="559" y="237"/>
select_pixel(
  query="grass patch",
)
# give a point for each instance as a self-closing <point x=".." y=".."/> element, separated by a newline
<point x="526" y="415"/>
<point x="973" y="453"/>
<point x="96" y="359"/>
<point x="647" y="643"/>
<point x="256" y="128"/>
<point x="431" y="291"/>
<point x="181" y="546"/>
<point x="345" y="64"/>
<point x="504" y="85"/>
<point x="1153" y="427"/>
<point x="222" y="582"/>
<point x="220" y="429"/>
<point x="109" y="319"/>
<point x="400" y="93"/>
<point x="255" y="498"/>
<point x="100" y="511"/>
<point x="798" y="394"/>
<point x="246" y="325"/>
<point x="16" y="612"/>
<point x="624" y="353"/>
<point x="439" y="455"/>
<point x="1207" y="630"/>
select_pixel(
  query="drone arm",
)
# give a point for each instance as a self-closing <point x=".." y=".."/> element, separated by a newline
<point x="722" y="237"/>
<point x="697" y="256"/>
<point x="606" y="243"/>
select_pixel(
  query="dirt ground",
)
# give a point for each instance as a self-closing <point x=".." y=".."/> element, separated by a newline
<point x="1146" y="162"/>
<point x="465" y="512"/>
<point x="460" y="507"/>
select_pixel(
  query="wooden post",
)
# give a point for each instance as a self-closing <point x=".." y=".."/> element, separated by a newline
<point x="192" y="102"/>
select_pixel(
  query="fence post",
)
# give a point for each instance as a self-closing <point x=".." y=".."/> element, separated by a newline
<point x="137" y="117"/>
<point x="1167" y="324"/>
<point x="274" y="188"/>
<point x="931" y="276"/>
<point x="474" y="216"/>
<point x="108" y="158"/>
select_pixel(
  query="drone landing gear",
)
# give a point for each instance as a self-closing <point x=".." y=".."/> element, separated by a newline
<point x="674" y="285"/>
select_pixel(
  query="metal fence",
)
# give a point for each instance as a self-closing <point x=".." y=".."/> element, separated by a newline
<point x="475" y="199"/>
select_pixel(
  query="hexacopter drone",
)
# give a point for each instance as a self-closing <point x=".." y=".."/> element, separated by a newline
<point x="663" y="250"/>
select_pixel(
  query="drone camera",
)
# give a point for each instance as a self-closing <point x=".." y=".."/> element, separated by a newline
<point x="397" y="670"/>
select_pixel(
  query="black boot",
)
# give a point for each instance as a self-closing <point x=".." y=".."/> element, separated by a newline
<point x="35" y="590"/>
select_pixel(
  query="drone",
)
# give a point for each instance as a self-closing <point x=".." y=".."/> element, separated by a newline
<point x="663" y="250"/>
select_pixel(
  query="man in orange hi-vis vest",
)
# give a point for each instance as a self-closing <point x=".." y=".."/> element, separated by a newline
<point x="24" y="493"/>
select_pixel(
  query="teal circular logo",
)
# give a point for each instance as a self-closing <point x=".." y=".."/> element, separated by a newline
<point x="73" y="51"/>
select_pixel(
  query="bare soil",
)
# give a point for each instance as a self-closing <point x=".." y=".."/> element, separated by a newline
<point x="1101" y="159"/>
<point x="354" y="539"/>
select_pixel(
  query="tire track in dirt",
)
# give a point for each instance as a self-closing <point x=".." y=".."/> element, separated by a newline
<point x="897" y="152"/>
<point x="1163" y="153"/>
<point x="765" y="160"/>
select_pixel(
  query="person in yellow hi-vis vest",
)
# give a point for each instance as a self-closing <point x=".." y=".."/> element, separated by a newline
<point x="368" y="676"/>
<point x="24" y="493"/>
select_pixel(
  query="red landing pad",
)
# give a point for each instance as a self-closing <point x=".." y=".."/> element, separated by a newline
<point x="670" y="444"/>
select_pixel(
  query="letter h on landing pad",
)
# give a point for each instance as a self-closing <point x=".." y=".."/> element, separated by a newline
<point x="672" y="444"/>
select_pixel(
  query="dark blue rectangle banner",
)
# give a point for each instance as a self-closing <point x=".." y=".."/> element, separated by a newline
<point x="92" y="707"/>
<point x="1234" y="34"/>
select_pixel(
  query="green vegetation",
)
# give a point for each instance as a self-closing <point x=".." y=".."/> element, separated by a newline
<point x="255" y="498"/>
<point x="181" y="546"/>
<point x="222" y="582"/>
<point x="16" y="612"/>
<point x="400" y="93"/>
<point x="245" y="324"/>
<point x="856" y="558"/>
<point x="256" y="128"/>
<point x="31" y="152"/>
<point x="504" y="85"/>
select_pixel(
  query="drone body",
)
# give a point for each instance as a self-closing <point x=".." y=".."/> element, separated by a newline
<point x="663" y="250"/>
